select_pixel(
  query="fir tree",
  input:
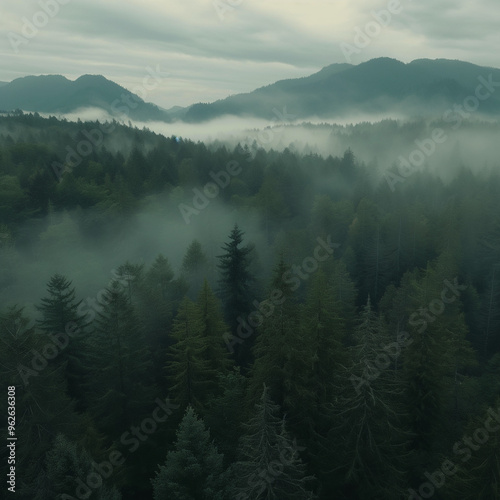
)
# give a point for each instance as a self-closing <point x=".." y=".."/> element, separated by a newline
<point x="270" y="466"/>
<point x="235" y="287"/>
<point x="189" y="370"/>
<point x="59" y="316"/>
<point x="194" y="470"/>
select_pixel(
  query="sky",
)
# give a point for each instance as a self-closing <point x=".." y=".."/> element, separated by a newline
<point x="204" y="50"/>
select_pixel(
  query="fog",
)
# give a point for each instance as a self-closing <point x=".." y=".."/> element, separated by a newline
<point x="377" y="142"/>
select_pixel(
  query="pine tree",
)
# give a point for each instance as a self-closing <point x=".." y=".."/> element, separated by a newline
<point x="226" y="413"/>
<point x="270" y="466"/>
<point x="67" y="467"/>
<point x="367" y="443"/>
<point x="194" y="470"/>
<point x="189" y="370"/>
<point x="59" y="315"/>
<point x="435" y="357"/>
<point x="477" y="475"/>
<point x="213" y="329"/>
<point x="43" y="407"/>
<point x="195" y="267"/>
<point x="235" y="287"/>
<point x="280" y="360"/>
<point x="323" y="331"/>
<point x="156" y="309"/>
<point x="121" y="389"/>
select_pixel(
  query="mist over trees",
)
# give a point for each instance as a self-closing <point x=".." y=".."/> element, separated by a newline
<point x="200" y="321"/>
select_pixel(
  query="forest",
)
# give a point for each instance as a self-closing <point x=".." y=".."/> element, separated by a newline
<point x="187" y="320"/>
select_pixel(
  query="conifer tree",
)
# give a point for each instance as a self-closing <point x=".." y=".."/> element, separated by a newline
<point x="67" y="468"/>
<point x="235" y="287"/>
<point x="59" y="316"/>
<point x="194" y="470"/>
<point x="270" y="466"/>
<point x="43" y="408"/>
<point x="122" y="387"/>
<point x="477" y="475"/>
<point x="189" y="371"/>
<point x="156" y="309"/>
<point x="194" y="267"/>
<point x="367" y="443"/>
<point x="213" y="329"/>
<point x="280" y="352"/>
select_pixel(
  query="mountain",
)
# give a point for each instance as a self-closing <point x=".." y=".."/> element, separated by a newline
<point x="56" y="94"/>
<point x="384" y="85"/>
<point x="381" y="86"/>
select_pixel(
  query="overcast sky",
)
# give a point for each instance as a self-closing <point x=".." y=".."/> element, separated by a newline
<point x="211" y="52"/>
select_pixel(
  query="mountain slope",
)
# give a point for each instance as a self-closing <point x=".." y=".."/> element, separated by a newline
<point x="57" y="94"/>
<point x="378" y="86"/>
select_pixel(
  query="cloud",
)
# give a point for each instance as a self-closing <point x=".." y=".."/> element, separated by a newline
<point x="257" y="42"/>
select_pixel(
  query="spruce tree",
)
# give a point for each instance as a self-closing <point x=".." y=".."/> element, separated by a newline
<point x="194" y="267"/>
<point x="122" y="386"/>
<point x="194" y="470"/>
<point x="213" y="329"/>
<point x="189" y="371"/>
<point x="270" y="466"/>
<point x="235" y="288"/>
<point x="367" y="443"/>
<point x="59" y="316"/>
<point x="280" y="352"/>
<point x="67" y="467"/>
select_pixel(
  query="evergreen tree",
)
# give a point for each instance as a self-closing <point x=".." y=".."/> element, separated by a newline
<point x="235" y="287"/>
<point x="435" y="357"/>
<point x="323" y="332"/>
<point x="195" y="267"/>
<point x="270" y="466"/>
<point x="67" y="467"/>
<point x="280" y="353"/>
<point x="60" y="316"/>
<point x="213" y="329"/>
<point x="156" y="311"/>
<point x="367" y="443"/>
<point x="190" y="373"/>
<point x="477" y="475"/>
<point x="122" y="387"/>
<point x="226" y="413"/>
<point x="43" y="407"/>
<point x="194" y="470"/>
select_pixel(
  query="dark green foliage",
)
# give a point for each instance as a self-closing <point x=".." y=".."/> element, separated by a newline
<point x="60" y="320"/>
<point x="235" y="286"/>
<point x="194" y="470"/>
<point x="121" y="387"/>
<point x="270" y="466"/>
<point x="157" y="330"/>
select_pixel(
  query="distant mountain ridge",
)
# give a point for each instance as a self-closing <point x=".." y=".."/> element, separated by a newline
<point x="379" y="85"/>
<point x="383" y="85"/>
<point x="56" y="94"/>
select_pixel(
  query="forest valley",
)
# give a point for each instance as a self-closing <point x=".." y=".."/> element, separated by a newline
<point x="308" y="334"/>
